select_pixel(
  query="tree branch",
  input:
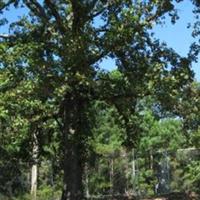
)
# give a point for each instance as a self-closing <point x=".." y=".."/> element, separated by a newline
<point x="76" y="9"/>
<point x="61" y="126"/>
<point x="6" y="4"/>
<point x="6" y="36"/>
<point x="37" y="9"/>
<point x="98" y="12"/>
<point x="56" y="15"/>
<point x="97" y="58"/>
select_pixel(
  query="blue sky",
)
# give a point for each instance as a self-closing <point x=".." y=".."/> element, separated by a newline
<point x="177" y="36"/>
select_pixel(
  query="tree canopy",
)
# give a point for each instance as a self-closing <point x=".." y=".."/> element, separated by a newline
<point x="50" y="74"/>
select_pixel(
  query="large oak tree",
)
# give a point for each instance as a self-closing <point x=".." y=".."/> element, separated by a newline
<point x="51" y="60"/>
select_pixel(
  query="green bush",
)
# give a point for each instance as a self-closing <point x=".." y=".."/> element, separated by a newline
<point x="192" y="176"/>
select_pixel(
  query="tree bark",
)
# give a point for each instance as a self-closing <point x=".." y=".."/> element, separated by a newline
<point x="151" y="159"/>
<point x="134" y="171"/>
<point x="73" y="174"/>
<point x="111" y="176"/>
<point x="73" y="138"/>
<point x="34" y="182"/>
<point x="34" y="168"/>
<point x="87" y="181"/>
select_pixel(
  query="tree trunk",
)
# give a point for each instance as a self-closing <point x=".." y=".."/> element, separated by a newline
<point x="133" y="171"/>
<point x="111" y="176"/>
<point x="73" y="174"/>
<point x="34" y="181"/>
<point x="73" y="138"/>
<point x="126" y="171"/>
<point x="151" y="159"/>
<point x="87" y="181"/>
<point x="34" y="168"/>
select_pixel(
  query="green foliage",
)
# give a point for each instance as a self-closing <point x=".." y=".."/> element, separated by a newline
<point x="195" y="138"/>
<point x="107" y="133"/>
<point x="147" y="182"/>
<point x="45" y="193"/>
<point x="51" y="78"/>
<point x="192" y="176"/>
<point x="162" y="134"/>
<point x="99" y="182"/>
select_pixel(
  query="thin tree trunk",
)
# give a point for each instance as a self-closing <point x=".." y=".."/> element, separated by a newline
<point x="87" y="181"/>
<point x="151" y="160"/>
<point x="126" y="171"/>
<point x="52" y="173"/>
<point x="134" y="171"/>
<point x="34" y="181"/>
<point x="34" y="168"/>
<point x="133" y="165"/>
<point x="112" y="176"/>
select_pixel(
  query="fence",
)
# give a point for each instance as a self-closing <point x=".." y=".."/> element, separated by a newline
<point x="144" y="174"/>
